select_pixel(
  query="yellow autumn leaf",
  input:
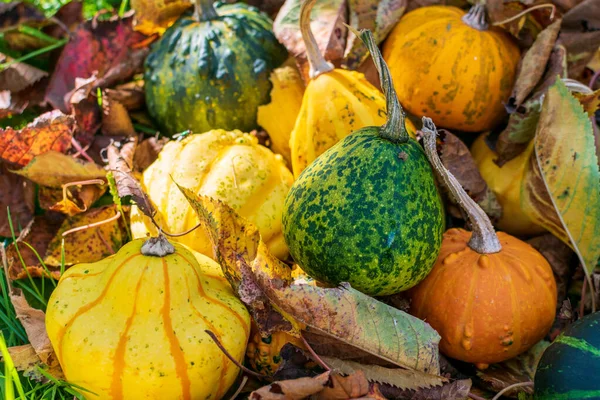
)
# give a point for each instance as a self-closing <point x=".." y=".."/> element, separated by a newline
<point x="155" y="16"/>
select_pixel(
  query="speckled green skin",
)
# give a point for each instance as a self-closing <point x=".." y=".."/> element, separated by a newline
<point x="368" y="212"/>
<point x="212" y="74"/>
<point x="570" y="366"/>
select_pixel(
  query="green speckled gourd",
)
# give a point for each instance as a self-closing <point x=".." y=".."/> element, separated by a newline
<point x="367" y="211"/>
<point x="211" y="69"/>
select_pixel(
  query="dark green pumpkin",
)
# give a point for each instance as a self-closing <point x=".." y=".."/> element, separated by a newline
<point x="211" y="69"/>
<point x="367" y="211"/>
<point x="570" y="366"/>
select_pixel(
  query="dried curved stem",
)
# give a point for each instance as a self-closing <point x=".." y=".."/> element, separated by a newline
<point x="524" y="12"/>
<point x="484" y="239"/>
<point x="318" y="64"/>
<point x="93" y="225"/>
<point x="511" y="387"/>
<point x="233" y="360"/>
<point x="314" y="354"/>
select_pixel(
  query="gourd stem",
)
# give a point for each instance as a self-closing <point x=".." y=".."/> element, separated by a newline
<point x="316" y="61"/>
<point x="204" y="10"/>
<point x="476" y="18"/>
<point x="157" y="247"/>
<point x="394" y="128"/>
<point x="484" y="239"/>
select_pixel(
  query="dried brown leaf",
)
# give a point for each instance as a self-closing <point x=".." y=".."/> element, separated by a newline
<point x="345" y="387"/>
<point x="77" y="198"/>
<point x="131" y="95"/>
<point x="589" y="101"/>
<point x="17" y="12"/>
<point x="50" y="131"/>
<point x="115" y="118"/>
<point x="295" y="389"/>
<point x="456" y="390"/>
<point x="17" y="196"/>
<point x="85" y="109"/>
<point x="18" y="76"/>
<point x="125" y="69"/>
<point x="147" y="152"/>
<point x="580" y="34"/>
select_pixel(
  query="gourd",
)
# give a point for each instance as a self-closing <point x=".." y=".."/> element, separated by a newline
<point x="336" y="102"/>
<point x="569" y="367"/>
<point x="279" y="116"/>
<point x="506" y="182"/>
<point x="490" y="296"/>
<point x="452" y="66"/>
<point x="367" y="211"/>
<point x="132" y="325"/>
<point x="264" y="352"/>
<point x="228" y="166"/>
<point x="211" y="69"/>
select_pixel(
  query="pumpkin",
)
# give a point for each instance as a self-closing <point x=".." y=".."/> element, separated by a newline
<point x="263" y="352"/>
<point x="367" y="211"/>
<point x="506" y="182"/>
<point x="228" y="166"/>
<point x="279" y="116"/>
<point x="211" y="69"/>
<point x="452" y="66"/>
<point x="336" y="103"/>
<point x="132" y="325"/>
<point x="490" y="296"/>
<point x="569" y="367"/>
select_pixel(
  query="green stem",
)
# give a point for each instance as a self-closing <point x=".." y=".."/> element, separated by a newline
<point x="123" y="7"/>
<point x="476" y="17"/>
<point x="484" y="239"/>
<point x="394" y="128"/>
<point x="204" y="10"/>
<point x="37" y="34"/>
<point x="34" y="54"/>
<point x="318" y="64"/>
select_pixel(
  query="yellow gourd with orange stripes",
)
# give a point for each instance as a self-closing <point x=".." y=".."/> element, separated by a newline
<point x="132" y="326"/>
<point x="227" y="166"/>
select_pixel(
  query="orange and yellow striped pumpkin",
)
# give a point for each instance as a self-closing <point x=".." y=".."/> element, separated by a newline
<point x="227" y="166"/>
<point x="132" y="326"/>
<point x="449" y="66"/>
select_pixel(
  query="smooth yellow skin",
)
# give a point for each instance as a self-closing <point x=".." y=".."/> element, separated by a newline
<point x="335" y="104"/>
<point x="457" y="75"/>
<point x="133" y="327"/>
<point x="279" y="116"/>
<point x="506" y="184"/>
<point x="227" y="166"/>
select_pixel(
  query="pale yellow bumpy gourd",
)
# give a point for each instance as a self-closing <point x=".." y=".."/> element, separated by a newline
<point x="132" y="326"/>
<point x="227" y="166"/>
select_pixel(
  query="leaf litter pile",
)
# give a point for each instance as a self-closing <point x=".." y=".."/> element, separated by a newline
<point x="251" y="200"/>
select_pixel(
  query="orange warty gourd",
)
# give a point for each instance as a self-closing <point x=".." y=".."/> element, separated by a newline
<point x="506" y="182"/>
<point x="264" y="353"/>
<point x="452" y="66"/>
<point x="227" y="166"/>
<point x="132" y="326"/>
<point x="490" y="297"/>
<point x="336" y="103"/>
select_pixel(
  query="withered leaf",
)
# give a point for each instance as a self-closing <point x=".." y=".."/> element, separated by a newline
<point x="50" y="131"/>
<point x="26" y="360"/>
<point x="294" y="389"/>
<point x="342" y="312"/>
<point x="456" y="390"/>
<point x="147" y="152"/>
<point x="295" y="364"/>
<point x="529" y="70"/>
<point x="96" y="46"/>
<point x="580" y="34"/>
<point x="131" y="95"/>
<point x="76" y="199"/>
<point x="340" y="387"/>
<point x="561" y="189"/>
<point x="401" y="378"/>
<point x="17" y="196"/>
<point x="115" y="118"/>
<point x="155" y="16"/>
<point x="18" y="76"/>
<point x="125" y="69"/>
<point x="85" y="109"/>
<point x="17" y="12"/>
<point x="90" y="244"/>
<point x="54" y="169"/>
<point x="327" y="24"/>
<point x="589" y="101"/>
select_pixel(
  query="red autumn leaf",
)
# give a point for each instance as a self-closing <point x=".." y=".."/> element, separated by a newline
<point x="50" y="131"/>
<point x="17" y="195"/>
<point x="96" y="46"/>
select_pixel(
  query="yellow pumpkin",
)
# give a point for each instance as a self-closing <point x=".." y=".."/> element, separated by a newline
<point x="506" y="182"/>
<point x="336" y="102"/>
<point x="228" y="166"/>
<point x="450" y="66"/>
<point x="132" y="326"/>
<point x="279" y="116"/>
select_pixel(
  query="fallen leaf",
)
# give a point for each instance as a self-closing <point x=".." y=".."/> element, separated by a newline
<point x="401" y="378"/>
<point x="115" y="118"/>
<point x="530" y="73"/>
<point x="455" y="156"/>
<point x="327" y="24"/>
<point x="18" y="76"/>
<point x="125" y="69"/>
<point x="580" y="34"/>
<point x="147" y="152"/>
<point x="155" y="16"/>
<point x="76" y="199"/>
<point x="456" y="390"/>
<point x="96" y="46"/>
<point x="50" y="131"/>
<point x="516" y="370"/>
<point x="16" y="196"/>
<point x="295" y="364"/>
<point x="377" y="16"/>
<point x="70" y="14"/>
<point x="328" y="346"/>
<point x="295" y="389"/>
<point x="589" y="101"/>
<point x="343" y="312"/>
<point x="344" y="387"/>
<point x="85" y="109"/>
<point x="87" y="245"/>
<point x="412" y="4"/>
<point x="561" y="188"/>
<point x="38" y="235"/>
<point x="55" y="169"/>
<point x="12" y="104"/>
<point x="131" y="95"/>
<point x="16" y="13"/>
